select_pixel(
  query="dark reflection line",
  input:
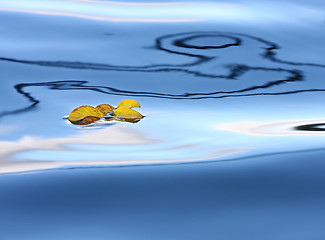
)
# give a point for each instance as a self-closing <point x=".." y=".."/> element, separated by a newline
<point x="80" y="85"/>
<point x="201" y="58"/>
<point x="170" y="67"/>
<point x="166" y="97"/>
<point x="19" y="89"/>
<point x="259" y="94"/>
<point x="311" y="127"/>
<point x="96" y="66"/>
<point x="101" y="66"/>
<point x="235" y="70"/>
<point x="271" y="55"/>
<point x="180" y="41"/>
<point x="87" y="167"/>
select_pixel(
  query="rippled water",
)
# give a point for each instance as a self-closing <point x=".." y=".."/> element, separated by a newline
<point x="232" y="144"/>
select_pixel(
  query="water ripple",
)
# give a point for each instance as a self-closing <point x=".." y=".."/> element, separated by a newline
<point x="179" y="44"/>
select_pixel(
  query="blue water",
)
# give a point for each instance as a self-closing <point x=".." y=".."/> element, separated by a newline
<point x="232" y="143"/>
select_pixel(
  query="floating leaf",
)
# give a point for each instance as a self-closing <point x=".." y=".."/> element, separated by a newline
<point x="130" y="103"/>
<point x="83" y="112"/>
<point x="105" y="108"/>
<point x="86" y="120"/>
<point x="127" y="113"/>
<point x="86" y="114"/>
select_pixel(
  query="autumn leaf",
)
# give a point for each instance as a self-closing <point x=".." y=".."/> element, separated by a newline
<point x="85" y="115"/>
<point x="83" y="112"/>
<point x="130" y="103"/>
<point x="105" y="108"/>
<point x="86" y="120"/>
<point x="127" y="113"/>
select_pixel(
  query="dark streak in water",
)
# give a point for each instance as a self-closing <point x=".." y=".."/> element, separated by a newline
<point x="271" y="55"/>
<point x="80" y="85"/>
<point x="311" y="127"/>
<point x="34" y="102"/>
<point x="180" y="42"/>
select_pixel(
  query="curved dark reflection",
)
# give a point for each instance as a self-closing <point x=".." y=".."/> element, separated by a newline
<point x="311" y="127"/>
<point x="81" y="85"/>
<point x="34" y="102"/>
<point x="183" y="42"/>
<point x="176" y="44"/>
<point x="179" y="41"/>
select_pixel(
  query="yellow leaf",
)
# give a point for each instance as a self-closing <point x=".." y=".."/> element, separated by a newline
<point x="127" y="113"/>
<point x="86" y="120"/>
<point x="84" y="111"/>
<point x="130" y="103"/>
<point x="105" y="108"/>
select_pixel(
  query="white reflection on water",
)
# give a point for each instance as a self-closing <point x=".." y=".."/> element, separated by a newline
<point x="166" y="12"/>
<point x="108" y="136"/>
<point x="100" y="18"/>
<point x="144" y="4"/>
<point x="279" y="128"/>
<point x="115" y="145"/>
<point x="125" y="144"/>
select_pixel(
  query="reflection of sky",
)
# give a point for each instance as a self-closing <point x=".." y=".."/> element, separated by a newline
<point x="141" y="141"/>
<point x="136" y="154"/>
<point x="177" y="140"/>
<point x="165" y="12"/>
<point x="262" y="190"/>
<point x="173" y="129"/>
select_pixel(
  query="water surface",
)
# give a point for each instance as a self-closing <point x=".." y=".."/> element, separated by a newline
<point x="232" y="143"/>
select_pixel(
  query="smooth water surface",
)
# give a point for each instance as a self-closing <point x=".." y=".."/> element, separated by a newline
<point x="232" y="144"/>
